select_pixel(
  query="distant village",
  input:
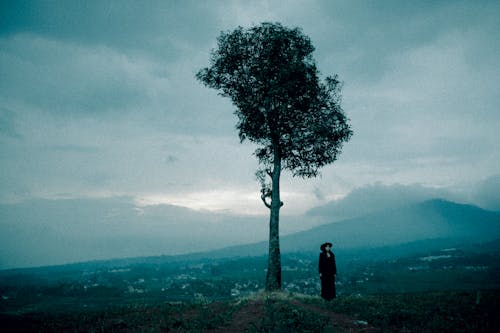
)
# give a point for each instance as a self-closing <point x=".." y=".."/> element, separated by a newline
<point x="210" y="280"/>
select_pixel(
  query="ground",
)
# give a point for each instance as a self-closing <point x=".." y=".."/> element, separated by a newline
<point x="441" y="311"/>
<point x="249" y="317"/>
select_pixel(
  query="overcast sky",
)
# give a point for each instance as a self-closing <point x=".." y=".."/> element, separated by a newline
<point x="98" y="99"/>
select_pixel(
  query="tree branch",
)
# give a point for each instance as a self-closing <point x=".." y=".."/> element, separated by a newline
<point x="269" y="173"/>
<point x="263" y="197"/>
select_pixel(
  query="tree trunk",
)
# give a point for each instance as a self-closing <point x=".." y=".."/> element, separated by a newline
<point x="273" y="278"/>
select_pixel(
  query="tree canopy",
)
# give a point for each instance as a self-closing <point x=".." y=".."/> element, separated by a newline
<point x="270" y="75"/>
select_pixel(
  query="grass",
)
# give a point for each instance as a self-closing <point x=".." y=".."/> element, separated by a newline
<point x="447" y="311"/>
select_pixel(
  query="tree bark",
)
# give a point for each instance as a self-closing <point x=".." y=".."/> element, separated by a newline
<point x="273" y="278"/>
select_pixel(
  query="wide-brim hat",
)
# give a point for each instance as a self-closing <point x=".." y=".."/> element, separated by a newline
<point x="325" y="245"/>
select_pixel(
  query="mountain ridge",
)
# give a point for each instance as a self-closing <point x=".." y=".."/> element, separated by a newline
<point x="435" y="214"/>
<point x="431" y="221"/>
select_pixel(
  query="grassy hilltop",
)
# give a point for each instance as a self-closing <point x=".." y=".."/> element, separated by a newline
<point x="283" y="312"/>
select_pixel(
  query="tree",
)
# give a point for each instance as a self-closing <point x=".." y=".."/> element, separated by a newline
<point x="296" y="119"/>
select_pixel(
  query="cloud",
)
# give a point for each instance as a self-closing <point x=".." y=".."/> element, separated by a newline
<point x="170" y="159"/>
<point x="72" y="79"/>
<point x="432" y="110"/>
<point x="487" y="193"/>
<point x="158" y="28"/>
<point x="375" y="198"/>
<point x="94" y="157"/>
<point x="8" y="126"/>
<point x="91" y="121"/>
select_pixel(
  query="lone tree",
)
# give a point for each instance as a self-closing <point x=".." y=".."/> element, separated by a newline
<point x="296" y="119"/>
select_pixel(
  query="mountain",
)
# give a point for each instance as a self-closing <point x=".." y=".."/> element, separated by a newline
<point x="427" y="220"/>
<point x="433" y="222"/>
<point x="376" y="198"/>
<point x="45" y="232"/>
<point x="379" y="197"/>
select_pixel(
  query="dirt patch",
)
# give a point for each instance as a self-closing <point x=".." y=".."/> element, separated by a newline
<point x="340" y="322"/>
<point x="246" y="317"/>
<point x="250" y="317"/>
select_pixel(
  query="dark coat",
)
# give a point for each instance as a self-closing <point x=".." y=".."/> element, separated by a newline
<point x="328" y="269"/>
<point x="327" y="264"/>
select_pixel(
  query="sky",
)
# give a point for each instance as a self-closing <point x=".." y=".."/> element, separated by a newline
<point x="98" y="100"/>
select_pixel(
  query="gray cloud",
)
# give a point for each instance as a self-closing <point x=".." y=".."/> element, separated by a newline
<point x="8" y="123"/>
<point x="487" y="193"/>
<point x="68" y="79"/>
<point x="156" y="28"/>
<point x="377" y="197"/>
<point x="170" y="159"/>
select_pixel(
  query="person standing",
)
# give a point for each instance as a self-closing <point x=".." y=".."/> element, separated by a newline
<point x="327" y="271"/>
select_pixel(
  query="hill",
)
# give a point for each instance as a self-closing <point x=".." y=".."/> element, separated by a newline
<point x="416" y="228"/>
<point x="430" y="223"/>
<point x="431" y="219"/>
<point x="51" y="232"/>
